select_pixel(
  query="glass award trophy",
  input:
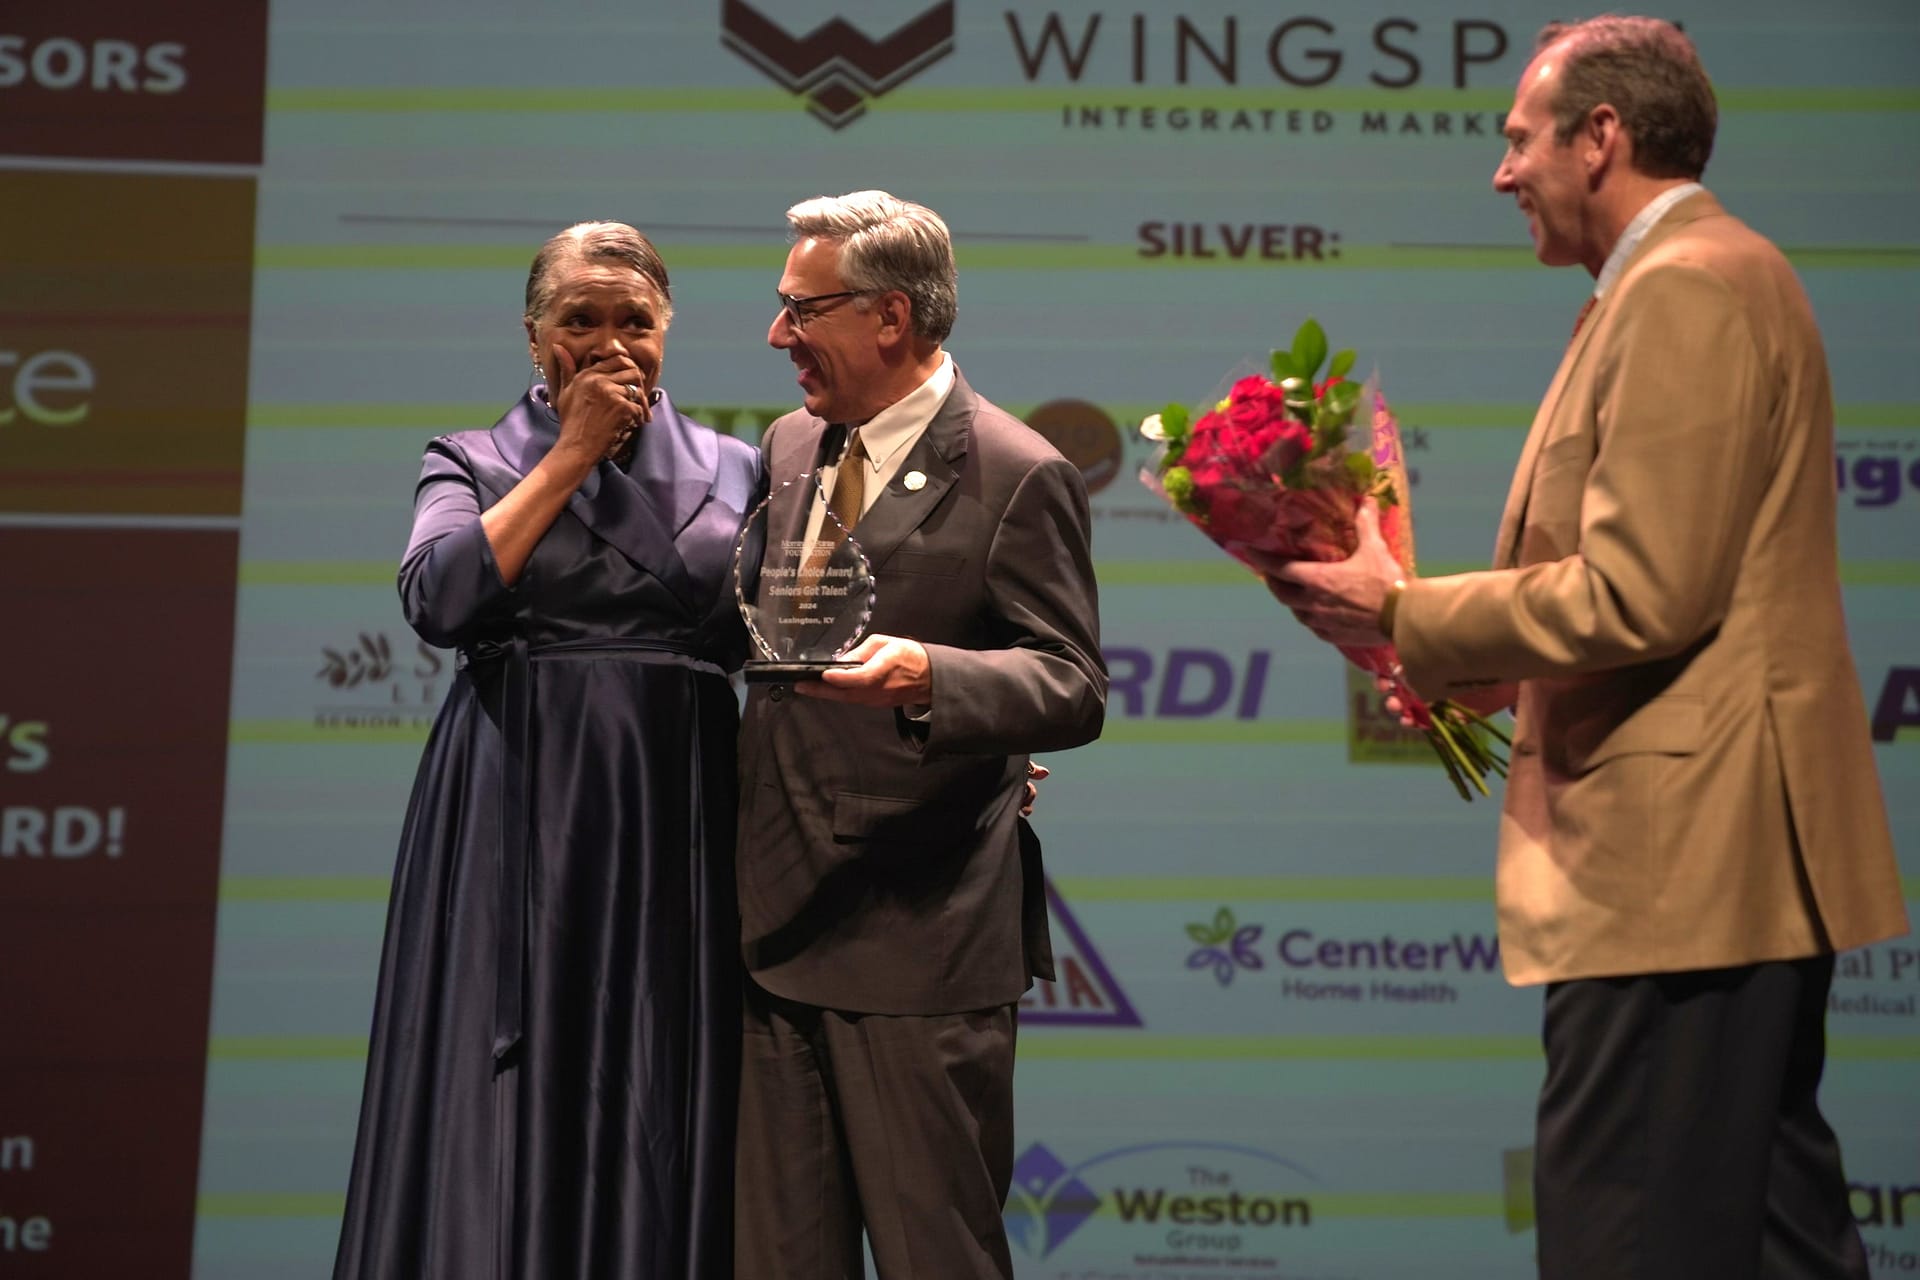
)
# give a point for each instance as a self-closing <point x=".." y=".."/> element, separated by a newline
<point x="808" y="600"/>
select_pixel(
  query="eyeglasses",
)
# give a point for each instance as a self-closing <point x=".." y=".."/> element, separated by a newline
<point x="798" y="318"/>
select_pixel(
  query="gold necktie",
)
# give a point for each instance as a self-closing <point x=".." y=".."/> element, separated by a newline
<point x="850" y="483"/>
<point x="849" y="493"/>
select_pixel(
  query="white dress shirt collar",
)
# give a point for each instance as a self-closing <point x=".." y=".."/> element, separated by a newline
<point x="889" y="435"/>
<point x="1643" y="222"/>
<point x="897" y="426"/>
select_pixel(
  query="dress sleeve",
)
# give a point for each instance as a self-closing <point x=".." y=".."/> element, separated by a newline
<point x="449" y="583"/>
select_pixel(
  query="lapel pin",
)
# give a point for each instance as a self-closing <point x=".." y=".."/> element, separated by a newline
<point x="915" y="481"/>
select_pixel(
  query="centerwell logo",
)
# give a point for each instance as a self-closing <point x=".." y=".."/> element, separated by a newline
<point x="836" y="67"/>
<point x="1163" y="1203"/>
<point x="1315" y="967"/>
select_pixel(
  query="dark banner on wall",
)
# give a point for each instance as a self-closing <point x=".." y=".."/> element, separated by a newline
<point x="129" y="80"/>
<point x="113" y="733"/>
<point x="126" y="285"/>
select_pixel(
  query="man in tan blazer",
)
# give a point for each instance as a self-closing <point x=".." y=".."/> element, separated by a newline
<point x="1692" y="826"/>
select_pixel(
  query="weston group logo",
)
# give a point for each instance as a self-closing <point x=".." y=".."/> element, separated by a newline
<point x="838" y="68"/>
<point x="1161" y="1205"/>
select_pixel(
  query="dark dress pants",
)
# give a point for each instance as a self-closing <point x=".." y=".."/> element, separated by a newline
<point x="1679" y="1135"/>
<point x="900" y="1125"/>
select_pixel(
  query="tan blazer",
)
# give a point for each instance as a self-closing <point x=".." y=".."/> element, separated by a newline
<point x="1693" y="784"/>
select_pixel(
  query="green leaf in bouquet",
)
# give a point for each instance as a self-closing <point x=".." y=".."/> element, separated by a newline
<point x="1175" y="421"/>
<point x="1223" y="923"/>
<point x="1361" y="468"/>
<point x="1341" y="400"/>
<point x="1282" y="365"/>
<point x="1309" y="348"/>
<point x="1342" y="362"/>
<point x="1201" y="934"/>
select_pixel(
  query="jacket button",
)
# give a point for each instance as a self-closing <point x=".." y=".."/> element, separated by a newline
<point x="778" y="692"/>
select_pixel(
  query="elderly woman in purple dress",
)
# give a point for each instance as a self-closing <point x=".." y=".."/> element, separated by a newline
<point x="551" y="1080"/>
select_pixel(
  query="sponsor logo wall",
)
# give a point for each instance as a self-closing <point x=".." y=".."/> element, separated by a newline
<point x="1279" y="1043"/>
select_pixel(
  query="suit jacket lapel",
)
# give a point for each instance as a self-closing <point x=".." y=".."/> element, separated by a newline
<point x="897" y="512"/>
<point x="935" y="456"/>
<point x="525" y="432"/>
<point x="1507" y="543"/>
<point x="675" y="466"/>
<point x="610" y="502"/>
<point x="791" y="462"/>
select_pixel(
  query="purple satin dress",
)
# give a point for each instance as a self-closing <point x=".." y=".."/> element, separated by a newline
<point x="552" y="1074"/>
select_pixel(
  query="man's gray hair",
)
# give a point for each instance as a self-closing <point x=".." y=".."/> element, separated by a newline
<point x="888" y="244"/>
<point x="610" y="242"/>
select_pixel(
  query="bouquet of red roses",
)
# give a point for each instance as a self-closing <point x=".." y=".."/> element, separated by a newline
<point x="1280" y="467"/>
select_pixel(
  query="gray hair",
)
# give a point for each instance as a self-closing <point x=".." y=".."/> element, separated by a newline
<point x="613" y="242"/>
<point x="888" y="244"/>
<point x="1647" y="70"/>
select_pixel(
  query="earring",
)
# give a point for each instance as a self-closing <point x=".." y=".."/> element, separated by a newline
<point x="539" y="374"/>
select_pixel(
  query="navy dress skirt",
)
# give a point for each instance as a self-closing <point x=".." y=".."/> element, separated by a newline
<point x="552" y="1074"/>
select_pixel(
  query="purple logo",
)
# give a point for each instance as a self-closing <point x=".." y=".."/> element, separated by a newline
<point x="1047" y="1203"/>
<point x="1312" y="966"/>
<point x="1185" y="683"/>
<point x="1899" y="704"/>
<point x="1154" y="1185"/>
<point x="1876" y="479"/>
<point x="1084" y="992"/>
<point x="1223" y="948"/>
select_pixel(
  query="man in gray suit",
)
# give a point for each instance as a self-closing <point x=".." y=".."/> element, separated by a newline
<point x="890" y="894"/>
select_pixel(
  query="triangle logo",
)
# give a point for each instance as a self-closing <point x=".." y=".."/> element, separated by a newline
<point x="1084" y="992"/>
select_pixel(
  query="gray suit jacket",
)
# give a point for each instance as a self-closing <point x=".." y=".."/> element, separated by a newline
<point x="883" y="864"/>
